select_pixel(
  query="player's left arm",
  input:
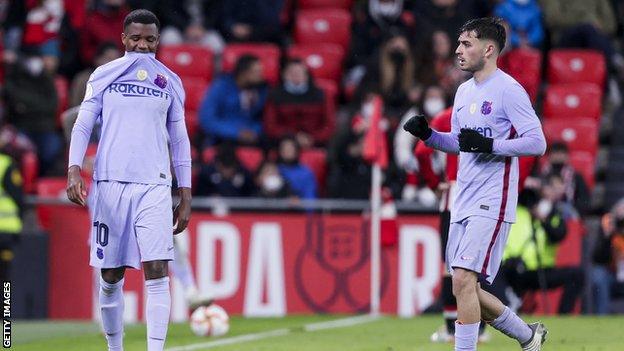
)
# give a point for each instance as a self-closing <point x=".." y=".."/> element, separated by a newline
<point x="530" y="140"/>
<point x="180" y="156"/>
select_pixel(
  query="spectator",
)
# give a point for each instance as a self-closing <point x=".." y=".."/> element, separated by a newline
<point x="349" y="175"/>
<point x="446" y="15"/>
<point x="576" y="190"/>
<point x="187" y="21"/>
<point x="531" y="251"/>
<point x="524" y="18"/>
<point x="102" y="26"/>
<point x="252" y="20"/>
<point x="11" y="210"/>
<point x="106" y="52"/>
<point x="270" y="183"/>
<point x="298" y="176"/>
<point x="232" y="108"/>
<point x="392" y="74"/>
<point x="298" y="107"/>
<point x="35" y="24"/>
<point x="434" y="101"/>
<point x="608" y="260"/>
<point x="31" y="105"/>
<point x="225" y="176"/>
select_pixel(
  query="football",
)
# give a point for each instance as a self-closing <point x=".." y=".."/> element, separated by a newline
<point x="210" y="321"/>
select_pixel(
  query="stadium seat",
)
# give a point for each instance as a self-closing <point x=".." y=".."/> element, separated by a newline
<point x="525" y="66"/>
<point x="323" y="26"/>
<point x="570" y="101"/>
<point x="195" y="89"/>
<point x="315" y="159"/>
<point x="192" y="124"/>
<point x="585" y="163"/>
<point x="324" y="60"/>
<point x="316" y="4"/>
<point x="62" y="92"/>
<point x="188" y="60"/>
<point x="579" y="134"/>
<point x="53" y="187"/>
<point x="329" y="87"/>
<point x="576" y="66"/>
<point x="269" y="55"/>
<point x="30" y="172"/>
<point x="249" y="157"/>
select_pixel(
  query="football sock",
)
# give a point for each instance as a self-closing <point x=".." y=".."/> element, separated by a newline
<point x="466" y="336"/>
<point x="511" y="325"/>
<point x="157" y="312"/>
<point x="111" y="307"/>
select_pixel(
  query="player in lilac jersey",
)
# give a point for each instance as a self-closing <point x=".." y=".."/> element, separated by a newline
<point x="492" y="123"/>
<point x="140" y="104"/>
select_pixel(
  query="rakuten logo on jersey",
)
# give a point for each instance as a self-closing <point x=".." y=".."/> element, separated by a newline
<point x="485" y="131"/>
<point x="133" y="90"/>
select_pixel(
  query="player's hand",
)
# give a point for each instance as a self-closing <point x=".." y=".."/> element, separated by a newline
<point x="182" y="212"/>
<point x="418" y="127"/>
<point x="472" y="141"/>
<point x="76" y="190"/>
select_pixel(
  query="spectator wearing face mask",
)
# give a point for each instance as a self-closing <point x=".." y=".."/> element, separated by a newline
<point x="225" y="176"/>
<point x="103" y="19"/>
<point x="232" y="108"/>
<point x="298" y="176"/>
<point x="270" y="183"/>
<point x="575" y="188"/>
<point x="31" y="103"/>
<point x="524" y="18"/>
<point x="298" y="107"/>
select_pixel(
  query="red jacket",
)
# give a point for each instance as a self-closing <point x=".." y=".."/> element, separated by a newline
<point x="101" y="27"/>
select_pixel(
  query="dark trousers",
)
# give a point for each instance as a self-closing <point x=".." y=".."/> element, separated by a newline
<point x="570" y="278"/>
<point x="7" y="242"/>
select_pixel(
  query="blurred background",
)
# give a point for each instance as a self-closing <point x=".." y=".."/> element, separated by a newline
<point x="279" y="100"/>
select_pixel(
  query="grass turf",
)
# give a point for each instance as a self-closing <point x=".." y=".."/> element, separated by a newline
<point x="387" y="334"/>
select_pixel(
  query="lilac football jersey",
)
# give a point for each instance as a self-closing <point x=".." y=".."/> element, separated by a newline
<point x="141" y="105"/>
<point x="499" y="108"/>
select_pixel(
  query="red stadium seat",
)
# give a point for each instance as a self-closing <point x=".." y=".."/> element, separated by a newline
<point x="324" y="60"/>
<point x="62" y="92"/>
<point x="195" y="89"/>
<point x="192" y="124"/>
<point x="579" y="134"/>
<point x="576" y="66"/>
<point x="188" y="60"/>
<point x="525" y="66"/>
<point x="30" y="171"/>
<point x="269" y="55"/>
<point x="249" y="157"/>
<point x="584" y="163"/>
<point x="329" y="87"/>
<point x="569" y="101"/>
<point x="316" y="160"/>
<point x="323" y="26"/>
<point x="315" y="4"/>
<point x="49" y="188"/>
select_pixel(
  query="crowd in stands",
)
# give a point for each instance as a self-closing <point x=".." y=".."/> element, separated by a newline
<point x="278" y="91"/>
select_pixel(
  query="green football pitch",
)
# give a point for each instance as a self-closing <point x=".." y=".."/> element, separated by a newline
<point x="313" y="333"/>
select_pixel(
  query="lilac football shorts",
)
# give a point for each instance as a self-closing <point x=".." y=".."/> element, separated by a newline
<point x="476" y="243"/>
<point x="131" y="223"/>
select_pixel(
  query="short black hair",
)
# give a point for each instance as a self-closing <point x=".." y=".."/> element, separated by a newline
<point x="487" y="28"/>
<point x="244" y="63"/>
<point x="142" y="16"/>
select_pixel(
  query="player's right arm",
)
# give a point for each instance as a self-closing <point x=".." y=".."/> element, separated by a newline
<point x="90" y="109"/>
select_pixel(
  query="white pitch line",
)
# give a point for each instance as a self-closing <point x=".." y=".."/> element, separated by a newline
<point x="312" y="327"/>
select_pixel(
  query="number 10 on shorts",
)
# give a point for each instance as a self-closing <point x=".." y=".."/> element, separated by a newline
<point x="101" y="233"/>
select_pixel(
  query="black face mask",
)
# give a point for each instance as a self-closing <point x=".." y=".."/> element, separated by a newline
<point x="397" y="57"/>
<point x="557" y="167"/>
<point x="254" y="85"/>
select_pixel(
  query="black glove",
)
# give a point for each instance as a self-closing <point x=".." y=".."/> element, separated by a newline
<point x="418" y="127"/>
<point x="472" y="141"/>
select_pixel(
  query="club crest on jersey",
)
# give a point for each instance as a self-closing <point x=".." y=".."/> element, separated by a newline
<point x="486" y="108"/>
<point x="473" y="108"/>
<point x="161" y="81"/>
<point x="141" y="74"/>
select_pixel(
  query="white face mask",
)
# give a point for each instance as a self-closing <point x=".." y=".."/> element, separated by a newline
<point x="544" y="207"/>
<point x="388" y="9"/>
<point x="433" y="106"/>
<point x="272" y="183"/>
<point x="34" y="65"/>
<point x="296" y="89"/>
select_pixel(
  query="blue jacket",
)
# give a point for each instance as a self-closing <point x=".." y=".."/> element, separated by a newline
<point x="522" y="19"/>
<point x="221" y="114"/>
<point x="300" y="179"/>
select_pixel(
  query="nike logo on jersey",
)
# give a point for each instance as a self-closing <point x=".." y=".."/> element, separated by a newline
<point x="459" y="109"/>
<point x="474" y="148"/>
<point x="170" y="248"/>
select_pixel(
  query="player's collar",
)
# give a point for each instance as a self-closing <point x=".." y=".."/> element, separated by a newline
<point x="136" y="54"/>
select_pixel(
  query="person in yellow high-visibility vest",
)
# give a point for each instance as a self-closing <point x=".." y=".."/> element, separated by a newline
<point x="529" y="259"/>
<point x="10" y="212"/>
